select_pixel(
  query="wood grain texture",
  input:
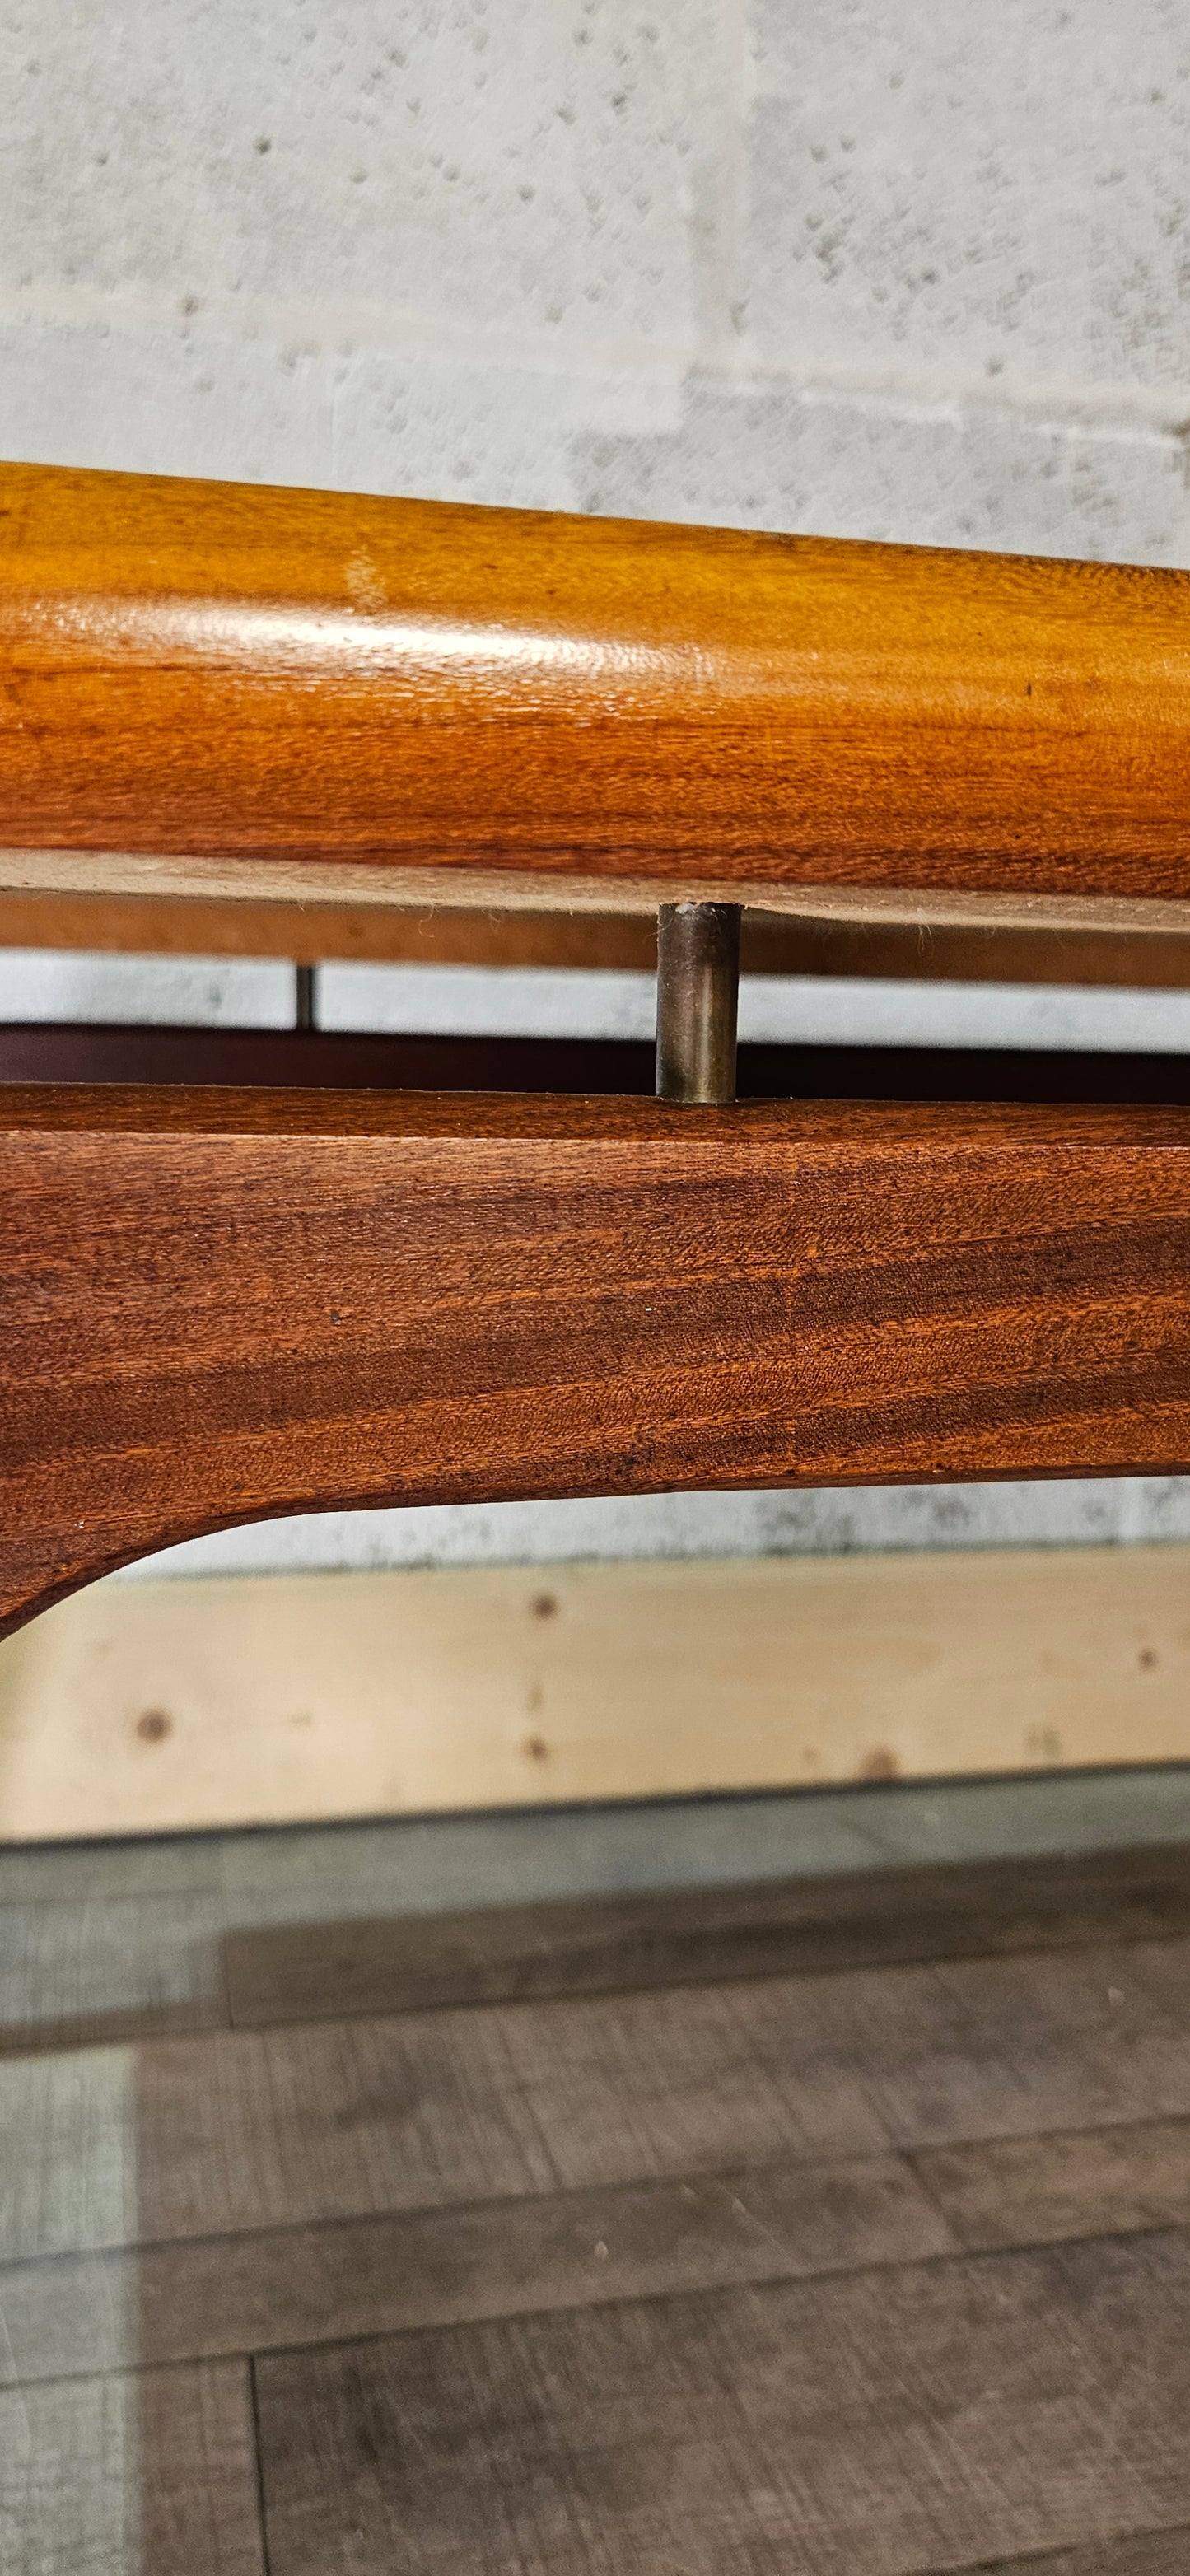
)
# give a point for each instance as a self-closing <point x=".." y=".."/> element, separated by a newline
<point x="222" y="2296"/>
<point x="226" y="671"/>
<point x="742" y="2276"/>
<point x="150" y="1965"/>
<point x="386" y="934"/>
<point x="892" y="2423"/>
<point x="1079" y="2182"/>
<point x="1138" y="2553"/>
<point x="222" y="1305"/>
<point x="228" y="2295"/>
<point x="197" y="1701"/>
<point x="138" y="2473"/>
<point x="233" y="2132"/>
<point x="589" y="1945"/>
<point x="77" y="1971"/>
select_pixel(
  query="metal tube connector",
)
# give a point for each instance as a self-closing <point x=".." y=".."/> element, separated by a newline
<point x="698" y="987"/>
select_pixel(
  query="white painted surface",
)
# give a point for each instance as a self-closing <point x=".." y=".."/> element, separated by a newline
<point x="815" y="1010"/>
<point x="188" y="992"/>
<point x="866" y="268"/>
<point x="1111" y="1510"/>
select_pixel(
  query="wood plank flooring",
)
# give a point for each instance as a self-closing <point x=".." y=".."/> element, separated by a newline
<point x="833" y="2226"/>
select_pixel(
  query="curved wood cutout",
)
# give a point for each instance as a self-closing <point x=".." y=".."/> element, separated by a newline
<point x="225" y="1305"/>
<point x="219" y="671"/>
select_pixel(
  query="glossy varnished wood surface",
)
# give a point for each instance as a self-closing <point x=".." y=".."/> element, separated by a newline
<point x="226" y="671"/>
<point x="223" y="1305"/>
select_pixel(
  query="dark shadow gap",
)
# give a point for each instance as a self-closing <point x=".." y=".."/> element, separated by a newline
<point x="86" y="1053"/>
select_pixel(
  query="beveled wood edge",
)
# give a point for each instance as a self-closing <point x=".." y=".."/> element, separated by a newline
<point x="774" y="944"/>
<point x="422" y="889"/>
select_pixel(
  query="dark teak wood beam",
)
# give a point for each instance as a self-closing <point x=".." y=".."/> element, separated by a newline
<point x="224" y="1305"/>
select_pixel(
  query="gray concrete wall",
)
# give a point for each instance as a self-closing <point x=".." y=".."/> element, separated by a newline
<point x="867" y="267"/>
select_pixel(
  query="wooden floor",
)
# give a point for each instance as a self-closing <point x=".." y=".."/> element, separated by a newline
<point x="403" y="2200"/>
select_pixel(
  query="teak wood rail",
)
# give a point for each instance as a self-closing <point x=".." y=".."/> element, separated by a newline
<point x="292" y="680"/>
<point x="221" y="1304"/>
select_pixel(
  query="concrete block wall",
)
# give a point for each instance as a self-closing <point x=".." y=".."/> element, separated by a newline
<point x="864" y="267"/>
<point x="860" y="265"/>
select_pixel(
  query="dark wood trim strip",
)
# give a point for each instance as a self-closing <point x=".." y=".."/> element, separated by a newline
<point x="223" y="1305"/>
<point x="92" y="1052"/>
